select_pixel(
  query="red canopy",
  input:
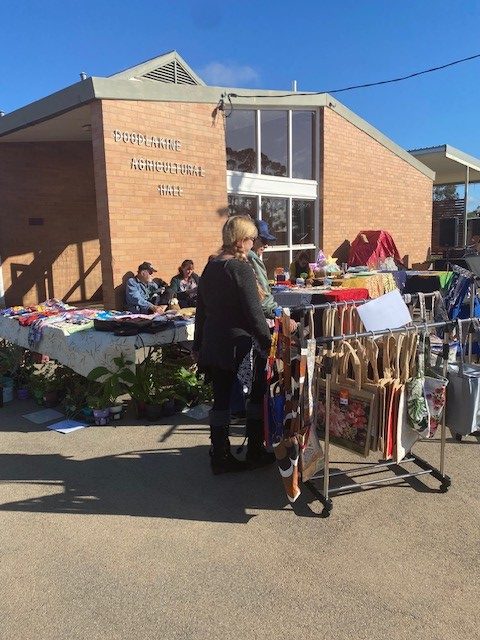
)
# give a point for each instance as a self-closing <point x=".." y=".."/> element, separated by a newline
<point x="372" y="247"/>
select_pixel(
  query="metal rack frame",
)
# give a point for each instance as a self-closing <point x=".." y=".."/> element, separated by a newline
<point x="426" y="468"/>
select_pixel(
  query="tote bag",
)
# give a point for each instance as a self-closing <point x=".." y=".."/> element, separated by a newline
<point x="351" y="409"/>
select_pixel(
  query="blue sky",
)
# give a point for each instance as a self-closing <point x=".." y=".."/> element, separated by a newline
<point x="323" y="45"/>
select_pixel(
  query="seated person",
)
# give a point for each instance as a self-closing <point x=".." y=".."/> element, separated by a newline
<point x="143" y="295"/>
<point x="301" y="265"/>
<point x="185" y="284"/>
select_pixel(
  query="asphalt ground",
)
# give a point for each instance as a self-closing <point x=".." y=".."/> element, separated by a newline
<point x="124" y="533"/>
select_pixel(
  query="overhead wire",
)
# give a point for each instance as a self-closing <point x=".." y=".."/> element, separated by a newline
<point x="357" y="86"/>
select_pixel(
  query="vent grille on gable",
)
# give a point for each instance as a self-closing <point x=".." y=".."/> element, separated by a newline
<point x="171" y="73"/>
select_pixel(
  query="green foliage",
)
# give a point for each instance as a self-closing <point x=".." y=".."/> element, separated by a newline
<point x="113" y="383"/>
<point x="47" y="377"/>
<point x="445" y="192"/>
<point x="11" y="359"/>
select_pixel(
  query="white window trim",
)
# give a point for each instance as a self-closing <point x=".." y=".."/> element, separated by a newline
<point x="252" y="184"/>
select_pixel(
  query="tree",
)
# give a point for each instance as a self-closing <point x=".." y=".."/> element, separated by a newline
<point x="445" y="192"/>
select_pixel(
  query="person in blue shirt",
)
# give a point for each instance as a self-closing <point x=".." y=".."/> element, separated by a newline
<point x="142" y="294"/>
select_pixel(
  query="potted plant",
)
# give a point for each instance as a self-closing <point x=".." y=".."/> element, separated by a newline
<point x="11" y="359"/>
<point x="99" y="402"/>
<point x="114" y="384"/>
<point x="74" y="401"/>
<point x="142" y="386"/>
<point x="46" y="381"/>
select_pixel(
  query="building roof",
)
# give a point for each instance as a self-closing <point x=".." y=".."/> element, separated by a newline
<point x="65" y="115"/>
<point x="449" y="164"/>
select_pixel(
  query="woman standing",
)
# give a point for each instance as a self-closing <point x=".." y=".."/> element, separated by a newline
<point x="184" y="285"/>
<point x="229" y="315"/>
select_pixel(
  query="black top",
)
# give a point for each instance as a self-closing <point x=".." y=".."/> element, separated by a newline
<point x="228" y="310"/>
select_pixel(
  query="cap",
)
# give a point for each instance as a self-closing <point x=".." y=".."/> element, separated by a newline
<point x="147" y="266"/>
<point x="264" y="231"/>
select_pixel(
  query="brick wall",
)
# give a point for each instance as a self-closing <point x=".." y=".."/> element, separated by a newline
<point x="366" y="186"/>
<point x="54" y="182"/>
<point x="135" y="222"/>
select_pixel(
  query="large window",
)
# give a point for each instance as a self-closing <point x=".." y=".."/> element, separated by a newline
<point x="286" y="142"/>
<point x="271" y="157"/>
<point x="241" y="141"/>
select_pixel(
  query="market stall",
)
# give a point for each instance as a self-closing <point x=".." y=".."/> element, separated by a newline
<point x="82" y="348"/>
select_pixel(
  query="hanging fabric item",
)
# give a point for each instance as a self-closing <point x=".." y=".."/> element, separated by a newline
<point x="274" y="403"/>
<point x="418" y="412"/>
<point x="287" y="450"/>
<point x="311" y="452"/>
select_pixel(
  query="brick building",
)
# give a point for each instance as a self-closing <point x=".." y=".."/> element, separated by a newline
<point x="145" y="164"/>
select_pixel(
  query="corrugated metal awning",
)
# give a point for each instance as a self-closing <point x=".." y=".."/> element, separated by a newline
<point x="449" y="164"/>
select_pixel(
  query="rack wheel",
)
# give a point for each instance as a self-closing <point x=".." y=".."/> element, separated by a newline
<point x="458" y="437"/>
<point x="445" y="485"/>
<point x="327" y="509"/>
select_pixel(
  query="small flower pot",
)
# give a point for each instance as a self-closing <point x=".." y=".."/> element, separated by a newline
<point x="87" y="414"/>
<point x="23" y="393"/>
<point x="101" y="416"/>
<point x="140" y="408"/>
<point x="116" y="412"/>
<point x="153" y="411"/>
<point x="168" y="408"/>
<point x="6" y="388"/>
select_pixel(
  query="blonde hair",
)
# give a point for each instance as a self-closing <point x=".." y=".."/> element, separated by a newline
<point x="235" y="230"/>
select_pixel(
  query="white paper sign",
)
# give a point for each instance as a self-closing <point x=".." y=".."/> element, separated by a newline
<point x="387" y="312"/>
<point x="66" y="426"/>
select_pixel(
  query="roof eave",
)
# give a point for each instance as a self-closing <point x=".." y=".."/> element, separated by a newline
<point x="59" y="102"/>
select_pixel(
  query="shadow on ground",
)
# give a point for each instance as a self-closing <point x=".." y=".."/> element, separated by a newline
<point x="160" y="483"/>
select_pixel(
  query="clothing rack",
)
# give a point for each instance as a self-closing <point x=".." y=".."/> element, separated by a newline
<point x="425" y="467"/>
<point x="408" y="298"/>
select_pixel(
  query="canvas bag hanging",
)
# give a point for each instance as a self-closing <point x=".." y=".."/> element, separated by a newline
<point x="351" y="408"/>
<point x="463" y="394"/>
<point x="435" y="392"/>
<point x="407" y="435"/>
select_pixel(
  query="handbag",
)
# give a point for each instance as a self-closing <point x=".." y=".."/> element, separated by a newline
<point x="463" y="394"/>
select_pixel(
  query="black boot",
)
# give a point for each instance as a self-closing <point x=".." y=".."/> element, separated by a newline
<point x="222" y="460"/>
<point x="257" y="456"/>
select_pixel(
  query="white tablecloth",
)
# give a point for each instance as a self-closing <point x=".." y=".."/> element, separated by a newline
<point x="84" y="350"/>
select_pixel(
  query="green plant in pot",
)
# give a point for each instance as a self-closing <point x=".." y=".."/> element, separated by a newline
<point x="45" y="383"/>
<point x="143" y="384"/>
<point x="114" y="383"/>
<point x="11" y="361"/>
<point x="75" y="398"/>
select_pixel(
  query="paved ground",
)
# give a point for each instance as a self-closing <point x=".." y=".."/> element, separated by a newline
<point x="124" y="533"/>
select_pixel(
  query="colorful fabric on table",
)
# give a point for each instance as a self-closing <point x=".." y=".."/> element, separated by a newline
<point x="373" y="284"/>
<point x="345" y="293"/>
